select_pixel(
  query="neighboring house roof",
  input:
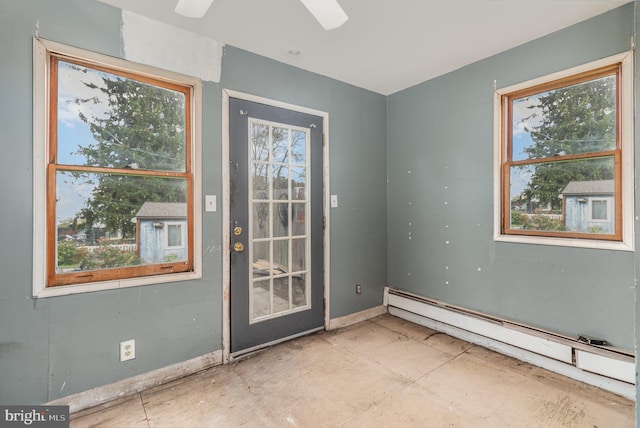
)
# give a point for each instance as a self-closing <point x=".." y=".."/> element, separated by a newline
<point x="596" y="187"/>
<point x="162" y="210"/>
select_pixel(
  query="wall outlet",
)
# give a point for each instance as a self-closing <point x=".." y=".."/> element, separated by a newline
<point x="127" y="350"/>
<point x="358" y="289"/>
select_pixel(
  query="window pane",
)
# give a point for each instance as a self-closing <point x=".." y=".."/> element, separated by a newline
<point x="112" y="121"/>
<point x="107" y="221"/>
<point x="556" y="196"/>
<point x="574" y="119"/>
<point x="598" y="210"/>
<point x="174" y="235"/>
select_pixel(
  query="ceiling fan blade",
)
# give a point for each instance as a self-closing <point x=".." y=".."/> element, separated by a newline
<point x="328" y="12"/>
<point x="193" y="8"/>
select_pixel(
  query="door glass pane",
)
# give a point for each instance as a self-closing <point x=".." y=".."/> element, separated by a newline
<point x="261" y="220"/>
<point x="298" y="183"/>
<point x="279" y="262"/>
<point x="298" y="255"/>
<point x="280" y="182"/>
<point x="281" y="299"/>
<point x="298" y="225"/>
<point x="261" y="298"/>
<point x="299" y="147"/>
<point x="259" y="142"/>
<point x="281" y="255"/>
<point x="299" y="291"/>
<point x="280" y="145"/>
<point x="260" y="180"/>
<point x="280" y="219"/>
<point x="261" y="264"/>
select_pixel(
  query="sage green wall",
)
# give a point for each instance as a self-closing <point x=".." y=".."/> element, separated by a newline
<point x="53" y="347"/>
<point x="440" y="199"/>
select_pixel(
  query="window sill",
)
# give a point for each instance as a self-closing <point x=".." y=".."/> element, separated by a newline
<point x="566" y="242"/>
<point x="66" y="290"/>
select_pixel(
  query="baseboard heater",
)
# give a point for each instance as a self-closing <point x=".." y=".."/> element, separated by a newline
<point x="609" y="368"/>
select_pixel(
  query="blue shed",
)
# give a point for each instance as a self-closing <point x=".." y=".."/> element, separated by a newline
<point x="161" y="232"/>
<point x="588" y="206"/>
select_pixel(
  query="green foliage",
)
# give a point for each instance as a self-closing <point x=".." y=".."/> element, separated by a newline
<point x="517" y="218"/>
<point x="542" y="222"/>
<point x="143" y="128"/>
<point x="70" y="254"/>
<point x="574" y="119"/>
<point x="107" y="256"/>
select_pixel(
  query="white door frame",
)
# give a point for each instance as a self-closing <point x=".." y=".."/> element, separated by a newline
<point x="226" y="228"/>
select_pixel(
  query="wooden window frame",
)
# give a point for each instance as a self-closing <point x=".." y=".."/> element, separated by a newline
<point x="622" y="155"/>
<point x="48" y="282"/>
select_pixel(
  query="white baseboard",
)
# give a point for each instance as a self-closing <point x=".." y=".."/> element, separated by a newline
<point x="135" y="384"/>
<point x="606" y="368"/>
<point x="336" y="323"/>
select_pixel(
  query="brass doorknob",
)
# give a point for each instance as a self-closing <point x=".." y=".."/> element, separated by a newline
<point x="238" y="247"/>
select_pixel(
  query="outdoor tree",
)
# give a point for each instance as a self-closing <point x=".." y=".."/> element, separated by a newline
<point x="574" y="119"/>
<point x="142" y="127"/>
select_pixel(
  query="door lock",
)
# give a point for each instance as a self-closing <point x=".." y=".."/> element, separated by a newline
<point x="237" y="231"/>
<point x="238" y="247"/>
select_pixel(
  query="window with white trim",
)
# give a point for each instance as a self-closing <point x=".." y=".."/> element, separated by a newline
<point x="114" y="148"/>
<point x="174" y="234"/>
<point x="561" y="141"/>
<point x="599" y="210"/>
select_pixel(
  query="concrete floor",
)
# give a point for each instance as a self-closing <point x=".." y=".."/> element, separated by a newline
<point x="383" y="372"/>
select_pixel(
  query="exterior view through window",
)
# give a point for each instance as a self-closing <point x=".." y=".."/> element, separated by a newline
<point x="119" y="179"/>
<point x="561" y="158"/>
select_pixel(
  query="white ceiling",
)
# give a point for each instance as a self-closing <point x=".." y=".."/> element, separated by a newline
<point x="386" y="45"/>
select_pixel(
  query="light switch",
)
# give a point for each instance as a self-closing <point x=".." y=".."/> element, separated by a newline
<point x="210" y="203"/>
<point x="334" y="201"/>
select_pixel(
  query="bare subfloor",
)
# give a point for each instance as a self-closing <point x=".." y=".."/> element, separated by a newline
<point x="384" y="372"/>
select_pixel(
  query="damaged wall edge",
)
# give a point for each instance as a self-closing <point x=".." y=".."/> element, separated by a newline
<point x="123" y="388"/>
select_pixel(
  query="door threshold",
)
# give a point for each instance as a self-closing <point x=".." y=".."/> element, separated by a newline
<point x="235" y="356"/>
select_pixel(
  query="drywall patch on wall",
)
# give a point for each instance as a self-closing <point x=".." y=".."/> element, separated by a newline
<point x="160" y="45"/>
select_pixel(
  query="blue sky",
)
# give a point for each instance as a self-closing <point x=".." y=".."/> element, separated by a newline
<point x="73" y="132"/>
